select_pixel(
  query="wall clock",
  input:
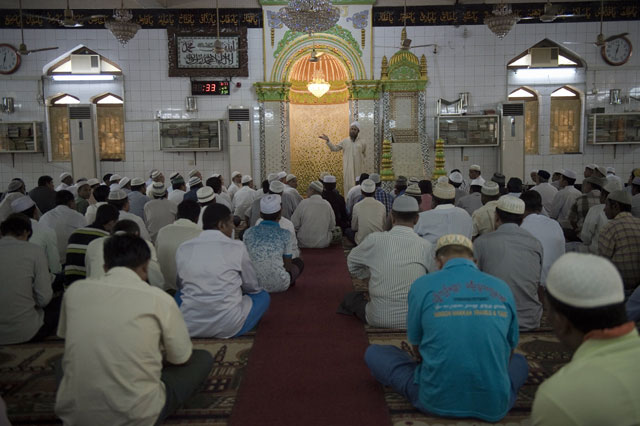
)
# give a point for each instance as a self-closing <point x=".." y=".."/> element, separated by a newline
<point x="9" y="59"/>
<point x="617" y="51"/>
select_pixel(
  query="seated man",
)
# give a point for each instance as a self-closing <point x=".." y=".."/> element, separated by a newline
<point x="601" y="384"/>
<point x="64" y="219"/>
<point x="472" y="202"/>
<point x="116" y="330"/>
<point x="269" y="248"/>
<point x="159" y="211"/>
<point x="27" y="312"/>
<point x="220" y="294"/>
<point x="484" y="218"/>
<point x="119" y="200"/>
<point x="393" y="260"/>
<point x="515" y="256"/>
<point x="444" y="218"/>
<point x="369" y="215"/>
<point x="314" y="219"/>
<point x="465" y="365"/>
<point x="337" y="201"/>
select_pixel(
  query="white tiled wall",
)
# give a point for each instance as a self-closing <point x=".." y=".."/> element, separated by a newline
<point x="469" y="59"/>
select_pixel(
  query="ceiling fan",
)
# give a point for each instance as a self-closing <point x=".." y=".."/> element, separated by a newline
<point x="22" y="50"/>
<point x="68" y="20"/>
<point x="550" y="13"/>
<point x="600" y="40"/>
<point x="405" y="43"/>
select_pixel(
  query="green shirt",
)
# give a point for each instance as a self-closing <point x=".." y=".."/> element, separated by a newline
<point x="82" y="205"/>
<point x="600" y="386"/>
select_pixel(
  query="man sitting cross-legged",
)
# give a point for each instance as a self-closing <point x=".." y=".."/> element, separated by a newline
<point x="219" y="290"/>
<point x="463" y="326"/>
<point x="269" y="247"/>
<point x="116" y="330"/>
<point x="393" y="260"/>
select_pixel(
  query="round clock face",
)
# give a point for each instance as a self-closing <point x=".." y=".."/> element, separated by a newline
<point x="617" y="51"/>
<point x="9" y="59"/>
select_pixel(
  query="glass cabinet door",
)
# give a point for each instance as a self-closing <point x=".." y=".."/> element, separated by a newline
<point x="611" y="129"/>
<point x="191" y="135"/>
<point x="20" y="137"/>
<point x="468" y="131"/>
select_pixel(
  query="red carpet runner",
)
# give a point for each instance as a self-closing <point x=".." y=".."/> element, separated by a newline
<point x="306" y="366"/>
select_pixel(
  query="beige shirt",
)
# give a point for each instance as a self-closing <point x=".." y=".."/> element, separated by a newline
<point x="169" y="239"/>
<point x="368" y="216"/>
<point x="46" y="238"/>
<point x="94" y="263"/>
<point x="484" y="219"/>
<point x="63" y="221"/>
<point x="92" y="210"/>
<point x="116" y="329"/>
<point x="144" y="233"/>
<point x="159" y="213"/>
<point x="314" y="221"/>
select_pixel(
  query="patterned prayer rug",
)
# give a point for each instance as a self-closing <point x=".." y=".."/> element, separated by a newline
<point x="27" y="382"/>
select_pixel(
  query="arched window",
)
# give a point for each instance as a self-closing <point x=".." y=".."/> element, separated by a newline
<point x="59" y="125"/>
<point x="566" y="113"/>
<point x="110" y="121"/>
<point x="531" y="113"/>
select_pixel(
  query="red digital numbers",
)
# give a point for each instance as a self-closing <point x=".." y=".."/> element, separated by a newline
<point x="210" y="88"/>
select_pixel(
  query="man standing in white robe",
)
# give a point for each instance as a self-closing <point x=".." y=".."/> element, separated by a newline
<point x="354" y="152"/>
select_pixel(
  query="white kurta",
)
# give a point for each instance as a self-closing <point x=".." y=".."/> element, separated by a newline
<point x="353" y="156"/>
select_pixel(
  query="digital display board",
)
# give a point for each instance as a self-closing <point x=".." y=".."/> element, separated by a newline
<point x="209" y="87"/>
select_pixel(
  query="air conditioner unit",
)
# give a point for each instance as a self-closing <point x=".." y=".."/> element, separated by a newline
<point x="85" y="64"/>
<point x="83" y="142"/>
<point x="239" y="133"/>
<point x="544" y="57"/>
<point x="512" y="135"/>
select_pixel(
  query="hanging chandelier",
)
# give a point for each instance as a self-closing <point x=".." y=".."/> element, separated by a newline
<point x="318" y="85"/>
<point x="121" y="26"/>
<point x="502" y="20"/>
<point x="309" y="16"/>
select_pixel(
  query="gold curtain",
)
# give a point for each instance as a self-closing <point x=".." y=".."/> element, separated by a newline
<point x="59" y="125"/>
<point x="531" y="109"/>
<point x="565" y="125"/>
<point x="111" y="132"/>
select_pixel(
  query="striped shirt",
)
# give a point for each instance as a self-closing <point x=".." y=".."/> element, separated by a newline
<point x="619" y="241"/>
<point x="75" y="268"/>
<point x="393" y="260"/>
<point x="581" y="207"/>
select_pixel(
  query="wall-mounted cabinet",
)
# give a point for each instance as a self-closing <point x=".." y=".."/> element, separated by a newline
<point x="23" y="137"/>
<point x="468" y="130"/>
<point x="188" y="135"/>
<point x="613" y="128"/>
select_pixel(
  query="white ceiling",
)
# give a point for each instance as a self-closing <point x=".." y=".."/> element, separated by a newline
<point x="200" y="4"/>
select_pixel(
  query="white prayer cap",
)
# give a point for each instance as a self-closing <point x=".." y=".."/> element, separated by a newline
<point x="368" y="186"/>
<point x="602" y="170"/>
<point x="246" y="179"/>
<point x="155" y="174"/>
<point x="216" y="175"/>
<point x="235" y="173"/>
<point x="158" y="189"/>
<point x="21" y="204"/>
<point x="413" y="190"/>
<point x="585" y="281"/>
<point x="282" y="175"/>
<point x="413" y="180"/>
<point x="329" y="179"/>
<point x="117" y="195"/>
<point x="611" y="170"/>
<point x="455" y="177"/>
<point x="194" y="180"/>
<point x="568" y="173"/>
<point x="444" y="191"/>
<point x="620" y="196"/>
<point x="323" y="174"/>
<point x="114" y="187"/>
<point x="612" y="185"/>
<point x="375" y="178"/>
<point x="316" y="185"/>
<point x="115" y="178"/>
<point x="193" y="172"/>
<point x="270" y="204"/>
<point x="124" y="181"/>
<point x="454" y="240"/>
<point x="290" y="177"/>
<point x="81" y="183"/>
<point x="276" y="186"/>
<point x="205" y="194"/>
<point x="174" y="175"/>
<point x="93" y="181"/>
<point x="511" y="204"/>
<point x="14" y="185"/>
<point x="404" y="203"/>
<point x="137" y="181"/>
<point x="534" y="171"/>
<point x="271" y="177"/>
<point x="591" y="166"/>
<point x="152" y="171"/>
<point x="477" y="182"/>
<point x="490" y="188"/>
<point x="356" y="124"/>
<point x="64" y="175"/>
<point x="475" y="167"/>
<point x="443" y="179"/>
